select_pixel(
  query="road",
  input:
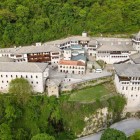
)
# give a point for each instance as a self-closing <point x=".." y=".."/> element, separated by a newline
<point x="128" y="126"/>
<point x="85" y="77"/>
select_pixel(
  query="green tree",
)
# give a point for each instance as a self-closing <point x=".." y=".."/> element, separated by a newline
<point x="21" y="88"/>
<point x="42" y="136"/>
<point x="5" y="132"/>
<point x="12" y="113"/>
<point x="136" y="136"/>
<point x="21" y="134"/>
<point x="113" y="134"/>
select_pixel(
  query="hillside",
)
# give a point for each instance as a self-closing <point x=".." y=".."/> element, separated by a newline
<point x="26" y="22"/>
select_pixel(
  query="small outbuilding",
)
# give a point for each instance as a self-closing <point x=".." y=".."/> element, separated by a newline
<point x="53" y="87"/>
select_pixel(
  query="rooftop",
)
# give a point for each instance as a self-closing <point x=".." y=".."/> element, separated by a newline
<point x="31" y="49"/>
<point x="53" y="82"/>
<point x="71" y="62"/>
<point x="22" y="67"/>
<point x="137" y="35"/>
<point x="8" y="50"/>
<point x="115" y="47"/>
<point x="93" y="42"/>
<point x="135" y="58"/>
<point x="127" y="70"/>
<point x="64" y="40"/>
<point x="76" y="47"/>
<point x="79" y="57"/>
<point x="38" y="49"/>
<point x="6" y="59"/>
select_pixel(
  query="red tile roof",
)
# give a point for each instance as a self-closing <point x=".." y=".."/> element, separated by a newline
<point x="71" y="62"/>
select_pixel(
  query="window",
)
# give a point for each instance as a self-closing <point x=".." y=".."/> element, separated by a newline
<point x="6" y="75"/>
<point x="1" y="75"/>
<point x="132" y="88"/>
<point x="31" y="76"/>
<point x="122" y="88"/>
<point x="36" y="76"/>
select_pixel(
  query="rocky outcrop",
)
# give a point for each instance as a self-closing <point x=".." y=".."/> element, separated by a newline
<point x="96" y="121"/>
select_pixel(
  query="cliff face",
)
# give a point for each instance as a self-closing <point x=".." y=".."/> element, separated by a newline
<point x="96" y="121"/>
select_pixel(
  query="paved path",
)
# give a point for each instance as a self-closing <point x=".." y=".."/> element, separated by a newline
<point x="128" y="126"/>
<point x="86" y="77"/>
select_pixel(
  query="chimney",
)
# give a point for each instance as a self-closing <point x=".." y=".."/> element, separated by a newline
<point x="84" y="34"/>
<point x="38" y="44"/>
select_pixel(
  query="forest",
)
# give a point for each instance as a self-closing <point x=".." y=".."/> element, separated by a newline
<point x="53" y="117"/>
<point x="25" y="22"/>
<point x="25" y="115"/>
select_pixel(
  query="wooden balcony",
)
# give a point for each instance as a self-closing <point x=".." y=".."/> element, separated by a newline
<point x="115" y="52"/>
<point x="124" y="78"/>
<point x="38" y="56"/>
<point x="55" y="53"/>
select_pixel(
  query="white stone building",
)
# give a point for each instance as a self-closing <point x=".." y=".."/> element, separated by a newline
<point x="35" y="73"/>
<point x="91" y="47"/>
<point x="72" y="67"/>
<point x="70" y="41"/>
<point x="127" y="82"/>
<point x="114" y="53"/>
<point x="73" y="51"/>
<point x="39" y="53"/>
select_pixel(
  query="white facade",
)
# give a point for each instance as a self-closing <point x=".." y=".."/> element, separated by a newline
<point x="130" y="89"/>
<point x="136" y="41"/>
<point x="91" y="47"/>
<point x="127" y="82"/>
<point x="55" y="57"/>
<point x="72" y="67"/>
<point x="111" y="57"/>
<point x="33" y="53"/>
<point x="67" y="54"/>
<point x="36" y="78"/>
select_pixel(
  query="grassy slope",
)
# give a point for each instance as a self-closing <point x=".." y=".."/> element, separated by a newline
<point x="90" y="94"/>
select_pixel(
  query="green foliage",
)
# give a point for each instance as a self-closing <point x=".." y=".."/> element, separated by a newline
<point x="42" y="136"/>
<point x="25" y="22"/>
<point x="113" y="134"/>
<point x="90" y="94"/>
<point x="21" y="88"/>
<point x="45" y="115"/>
<point x="135" y="136"/>
<point x="5" y="132"/>
<point x="79" y="111"/>
<point x="116" y="106"/>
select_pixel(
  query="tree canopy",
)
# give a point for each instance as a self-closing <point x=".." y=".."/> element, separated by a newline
<point x="21" y="88"/>
<point x="135" y="136"/>
<point x="42" y="136"/>
<point x="26" y="22"/>
<point x="113" y="134"/>
<point x="42" y="115"/>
